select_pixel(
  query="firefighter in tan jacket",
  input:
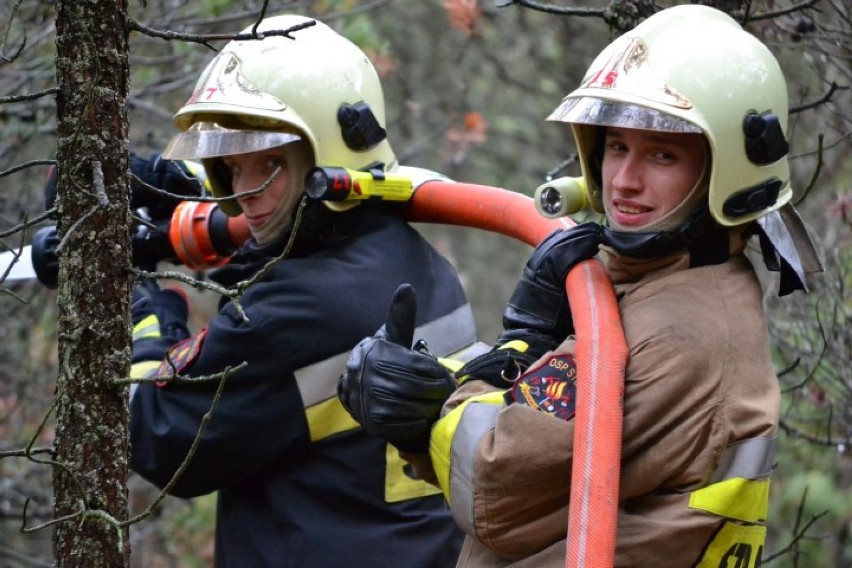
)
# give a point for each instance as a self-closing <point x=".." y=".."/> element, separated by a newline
<point x="679" y="126"/>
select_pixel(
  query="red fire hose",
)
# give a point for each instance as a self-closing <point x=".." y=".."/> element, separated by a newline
<point x="601" y="356"/>
<point x="601" y="350"/>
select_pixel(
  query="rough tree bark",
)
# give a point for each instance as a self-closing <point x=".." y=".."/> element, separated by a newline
<point x="94" y="325"/>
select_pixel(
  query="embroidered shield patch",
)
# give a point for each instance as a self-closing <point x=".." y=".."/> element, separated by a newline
<point x="180" y="355"/>
<point x="551" y="387"/>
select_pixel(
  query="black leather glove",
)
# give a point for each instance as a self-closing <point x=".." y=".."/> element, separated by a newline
<point x="168" y="305"/>
<point x="539" y="303"/>
<point x="43" y="252"/>
<point x="513" y="352"/>
<point x="394" y="392"/>
<point x="168" y="175"/>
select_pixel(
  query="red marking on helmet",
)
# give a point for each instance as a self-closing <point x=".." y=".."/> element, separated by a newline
<point x="607" y="81"/>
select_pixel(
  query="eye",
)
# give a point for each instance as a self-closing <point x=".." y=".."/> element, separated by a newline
<point x="272" y="163"/>
<point x="663" y="156"/>
<point x="614" y="145"/>
<point x="232" y="166"/>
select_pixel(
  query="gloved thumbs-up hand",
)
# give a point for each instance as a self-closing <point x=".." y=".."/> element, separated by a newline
<point x="395" y="392"/>
<point x="401" y="318"/>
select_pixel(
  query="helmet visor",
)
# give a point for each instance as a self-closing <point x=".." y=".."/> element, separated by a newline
<point x="602" y="112"/>
<point x="211" y="140"/>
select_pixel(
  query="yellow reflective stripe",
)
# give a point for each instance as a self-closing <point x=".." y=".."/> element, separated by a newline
<point x="516" y="344"/>
<point x="440" y="446"/>
<point x="197" y="170"/>
<point x="143" y="369"/>
<point x="399" y="485"/>
<point x="328" y="418"/>
<point x="745" y="500"/>
<point x="452" y="365"/>
<point x="735" y="545"/>
<point x="148" y="327"/>
<point x="441" y="440"/>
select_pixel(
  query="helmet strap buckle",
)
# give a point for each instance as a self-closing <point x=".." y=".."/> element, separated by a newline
<point x="753" y="199"/>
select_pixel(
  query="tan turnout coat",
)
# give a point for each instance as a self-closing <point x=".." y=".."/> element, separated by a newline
<point x="700" y="414"/>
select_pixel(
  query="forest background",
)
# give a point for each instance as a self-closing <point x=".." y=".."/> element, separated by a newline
<point x="467" y="86"/>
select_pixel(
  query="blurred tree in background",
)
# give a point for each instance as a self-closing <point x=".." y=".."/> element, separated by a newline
<point x="467" y="85"/>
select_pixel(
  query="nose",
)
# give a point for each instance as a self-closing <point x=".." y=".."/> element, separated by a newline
<point x="245" y="187"/>
<point x="628" y="175"/>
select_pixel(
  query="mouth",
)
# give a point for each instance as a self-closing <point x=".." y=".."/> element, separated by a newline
<point x="257" y="220"/>
<point x="631" y="214"/>
<point x="628" y="209"/>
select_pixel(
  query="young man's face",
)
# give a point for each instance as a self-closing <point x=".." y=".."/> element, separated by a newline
<point x="646" y="174"/>
<point x="251" y="171"/>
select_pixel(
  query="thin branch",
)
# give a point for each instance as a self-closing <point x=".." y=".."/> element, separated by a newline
<point x="36" y="220"/>
<point x="25" y="529"/>
<point x="205" y="39"/>
<point x="817" y="170"/>
<point x="29" y="97"/>
<point x="61" y="246"/>
<point x="202" y="427"/>
<point x="829" y="442"/>
<point x="25" y="165"/>
<point x="551" y="9"/>
<point x="12" y="13"/>
<point x="25" y="453"/>
<point x="786" y="11"/>
<point x="237" y="290"/>
<point x="825" y="98"/>
<point x="799" y="532"/>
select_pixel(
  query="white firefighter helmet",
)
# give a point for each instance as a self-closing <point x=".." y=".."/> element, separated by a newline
<point x="309" y="83"/>
<point x="692" y="68"/>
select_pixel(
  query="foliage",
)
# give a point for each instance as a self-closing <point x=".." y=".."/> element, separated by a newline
<point x="468" y="86"/>
<point x="188" y="533"/>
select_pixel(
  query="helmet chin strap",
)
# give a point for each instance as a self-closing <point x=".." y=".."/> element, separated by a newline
<point x="705" y="240"/>
<point x="785" y="244"/>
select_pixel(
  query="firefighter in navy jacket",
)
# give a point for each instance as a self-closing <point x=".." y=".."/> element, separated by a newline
<point x="252" y="397"/>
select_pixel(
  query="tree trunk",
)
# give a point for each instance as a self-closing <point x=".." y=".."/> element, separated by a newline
<point x="90" y="484"/>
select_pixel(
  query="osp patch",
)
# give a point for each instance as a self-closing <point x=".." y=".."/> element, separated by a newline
<point x="551" y="387"/>
<point x="180" y="356"/>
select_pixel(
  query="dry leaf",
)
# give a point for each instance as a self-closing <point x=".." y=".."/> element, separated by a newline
<point x="463" y="14"/>
<point x="460" y="139"/>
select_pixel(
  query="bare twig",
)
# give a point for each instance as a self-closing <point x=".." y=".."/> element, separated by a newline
<point x="202" y="427"/>
<point x="205" y="39"/>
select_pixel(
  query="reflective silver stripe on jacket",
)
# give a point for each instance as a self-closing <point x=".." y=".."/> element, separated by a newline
<point x="445" y="335"/>
<point x="749" y="459"/>
<point x="478" y="419"/>
<point x="449" y="333"/>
